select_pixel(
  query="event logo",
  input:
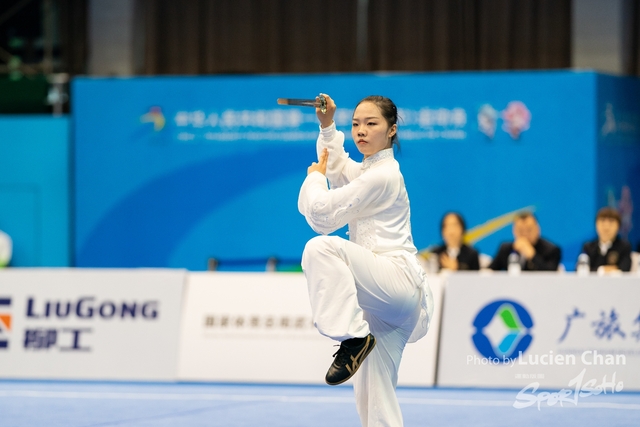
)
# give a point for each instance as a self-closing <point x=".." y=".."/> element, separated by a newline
<point x="609" y="125"/>
<point x="5" y="321"/>
<point x="154" y="116"/>
<point x="516" y="118"/>
<point x="488" y="120"/>
<point x="502" y="330"/>
<point x="619" y="123"/>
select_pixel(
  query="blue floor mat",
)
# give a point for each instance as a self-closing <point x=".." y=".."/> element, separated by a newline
<point x="86" y="404"/>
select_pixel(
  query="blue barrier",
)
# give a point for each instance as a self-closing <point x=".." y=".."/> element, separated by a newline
<point x="34" y="189"/>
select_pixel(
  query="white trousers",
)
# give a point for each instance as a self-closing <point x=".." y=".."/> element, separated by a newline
<point x="354" y="291"/>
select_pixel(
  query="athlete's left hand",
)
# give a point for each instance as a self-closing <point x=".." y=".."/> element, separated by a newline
<point x="321" y="166"/>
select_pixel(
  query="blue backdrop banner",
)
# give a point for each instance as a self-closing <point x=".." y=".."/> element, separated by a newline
<point x="34" y="189"/>
<point x="172" y="171"/>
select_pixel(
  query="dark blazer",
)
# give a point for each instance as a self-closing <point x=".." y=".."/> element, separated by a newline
<point x="467" y="257"/>
<point x="618" y="254"/>
<point x="547" y="257"/>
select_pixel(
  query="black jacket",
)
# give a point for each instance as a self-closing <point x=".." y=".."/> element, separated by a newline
<point x="618" y="254"/>
<point x="467" y="257"/>
<point x="547" y="257"/>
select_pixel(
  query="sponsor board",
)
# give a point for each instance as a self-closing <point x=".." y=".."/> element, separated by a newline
<point x="419" y="360"/>
<point x="90" y="324"/>
<point x="257" y="327"/>
<point x="540" y="331"/>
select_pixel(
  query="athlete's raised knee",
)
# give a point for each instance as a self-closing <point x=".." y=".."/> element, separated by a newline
<point x="318" y="245"/>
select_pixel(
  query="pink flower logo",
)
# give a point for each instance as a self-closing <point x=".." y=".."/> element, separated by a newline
<point x="517" y="118"/>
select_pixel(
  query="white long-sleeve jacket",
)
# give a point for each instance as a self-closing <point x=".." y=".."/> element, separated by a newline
<point x="369" y="196"/>
<point x="372" y="199"/>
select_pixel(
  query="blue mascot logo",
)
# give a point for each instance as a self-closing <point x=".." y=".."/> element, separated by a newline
<point x="502" y="330"/>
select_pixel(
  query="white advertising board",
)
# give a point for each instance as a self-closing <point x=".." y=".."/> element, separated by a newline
<point x="541" y="331"/>
<point x="257" y="327"/>
<point x="418" y="367"/>
<point x="90" y="324"/>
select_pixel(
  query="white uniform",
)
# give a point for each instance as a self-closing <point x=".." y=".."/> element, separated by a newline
<point x="371" y="283"/>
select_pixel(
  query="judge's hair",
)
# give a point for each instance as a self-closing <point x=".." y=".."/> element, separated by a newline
<point x="525" y="215"/>
<point x="609" y="213"/>
<point x="388" y="110"/>
<point x="458" y="217"/>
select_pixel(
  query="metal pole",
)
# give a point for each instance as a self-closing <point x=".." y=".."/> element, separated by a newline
<point x="57" y="92"/>
<point x="47" y="60"/>
<point x="362" y="29"/>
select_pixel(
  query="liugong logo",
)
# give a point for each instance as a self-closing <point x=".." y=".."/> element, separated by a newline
<point x="85" y="312"/>
<point x="5" y="322"/>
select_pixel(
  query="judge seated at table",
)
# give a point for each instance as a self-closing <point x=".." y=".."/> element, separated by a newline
<point x="609" y="250"/>
<point x="453" y="254"/>
<point x="534" y="252"/>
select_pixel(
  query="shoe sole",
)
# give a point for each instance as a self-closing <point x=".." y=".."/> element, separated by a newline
<point x="372" y="344"/>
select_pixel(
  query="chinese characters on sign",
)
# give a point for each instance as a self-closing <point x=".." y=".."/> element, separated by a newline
<point x="292" y="124"/>
<point x="607" y="326"/>
<point x="66" y="339"/>
<point x="225" y="322"/>
<point x="575" y="315"/>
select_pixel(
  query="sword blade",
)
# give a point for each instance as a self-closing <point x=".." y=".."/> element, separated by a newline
<point x="299" y="102"/>
<point x="321" y="103"/>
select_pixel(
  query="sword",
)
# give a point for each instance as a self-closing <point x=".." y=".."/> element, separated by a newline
<point x="322" y="103"/>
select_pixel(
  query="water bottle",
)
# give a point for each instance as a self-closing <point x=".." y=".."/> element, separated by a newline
<point x="514" y="267"/>
<point x="583" y="268"/>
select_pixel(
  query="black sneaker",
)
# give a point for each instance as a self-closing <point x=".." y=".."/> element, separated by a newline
<point x="348" y="359"/>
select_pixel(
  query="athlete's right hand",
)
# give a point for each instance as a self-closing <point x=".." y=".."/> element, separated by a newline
<point x="321" y="166"/>
<point x="327" y="118"/>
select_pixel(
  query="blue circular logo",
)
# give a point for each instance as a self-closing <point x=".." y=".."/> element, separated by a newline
<point x="502" y="330"/>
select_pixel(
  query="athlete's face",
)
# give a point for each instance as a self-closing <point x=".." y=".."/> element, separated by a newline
<point x="370" y="130"/>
